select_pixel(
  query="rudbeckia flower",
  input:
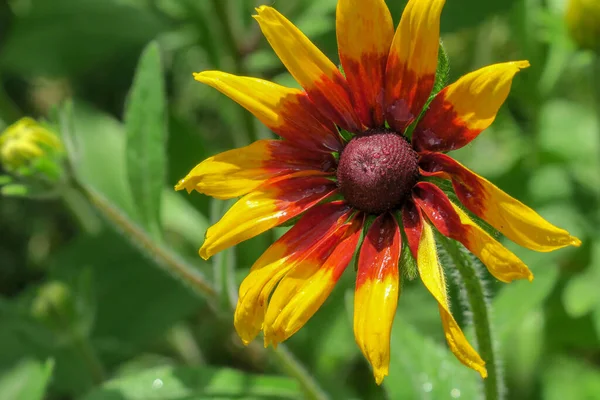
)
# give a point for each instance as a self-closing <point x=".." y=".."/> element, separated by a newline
<point x="336" y="183"/>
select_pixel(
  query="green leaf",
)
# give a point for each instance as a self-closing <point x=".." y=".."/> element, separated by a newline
<point x="515" y="301"/>
<point x="168" y="383"/>
<point x="420" y="368"/>
<point x="27" y="380"/>
<point x="74" y="37"/>
<point x="5" y="179"/>
<point x="568" y="378"/>
<point x="581" y="294"/>
<point x="146" y="127"/>
<point x="14" y="190"/>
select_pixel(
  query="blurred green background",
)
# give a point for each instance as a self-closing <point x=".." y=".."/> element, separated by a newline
<point x="92" y="301"/>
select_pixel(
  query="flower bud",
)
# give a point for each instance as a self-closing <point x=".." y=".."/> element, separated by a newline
<point x="583" y="21"/>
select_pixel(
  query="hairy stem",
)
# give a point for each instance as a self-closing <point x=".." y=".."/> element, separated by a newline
<point x="479" y="307"/>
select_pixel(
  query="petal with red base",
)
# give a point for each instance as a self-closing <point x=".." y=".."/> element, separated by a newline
<point x="274" y="202"/>
<point x="411" y="221"/>
<point x="514" y="219"/>
<point x="287" y="112"/>
<point x="364" y="34"/>
<point x="377" y="291"/>
<point x="305" y="287"/>
<point x="451" y="221"/>
<point x="432" y="275"/>
<point x="321" y="79"/>
<point x="237" y="172"/>
<point x="462" y="110"/>
<point x="412" y="62"/>
<point x="315" y="234"/>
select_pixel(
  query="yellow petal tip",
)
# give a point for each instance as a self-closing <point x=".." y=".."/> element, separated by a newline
<point x="523" y="64"/>
<point x="204" y="254"/>
<point x="575" y="241"/>
<point x="380" y="373"/>
<point x="482" y="371"/>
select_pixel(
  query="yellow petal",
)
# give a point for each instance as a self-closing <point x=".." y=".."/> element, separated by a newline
<point x="314" y="233"/>
<point x="271" y="204"/>
<point x="321" y="79"/>
<point x="514" y="219"/>
<point x="433" y="278"/>
<point x="304" y="289"/>
<point x="462" y="110"/>
<point x="364" y="34"/>
<point x="287" y="112"/>
<point x="377" y="291"/>
<point x="451" y="221"/>
<point x="237" y="172"/>
<point x="412" y="62"/>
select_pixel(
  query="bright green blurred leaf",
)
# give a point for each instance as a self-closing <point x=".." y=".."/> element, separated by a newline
<point x="196" y="383"/>
<point x="420" y="368"/>
<point x="517" y="300"/>
<point x="568" y="378"/>
<point x="27" y="380"/>
<point x="581" y="294"/>
<point x="75" y="36"/>
<point x="146" y="127"/>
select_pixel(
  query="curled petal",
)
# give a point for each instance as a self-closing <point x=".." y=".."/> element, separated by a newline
<point x="433" y="278"/>
<point x="514" y="219"/>
<point x="304" y="289"/>
<point x="237" y="172"/>
<point x="364" y="34"/>
<point x="321" y="79"/>
<point x="451" y="221"/>
<point x="377" y="291"/>
<point x="412" y="62"/>
<point x="287" y="112"/>
<point x="274" y="202"/>
<point x="313" y="234"/>
<point x="462" y="110"/>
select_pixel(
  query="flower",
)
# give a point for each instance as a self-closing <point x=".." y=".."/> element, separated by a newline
<point x="334" y="184"/>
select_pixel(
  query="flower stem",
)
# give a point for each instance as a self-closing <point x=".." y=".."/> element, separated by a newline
<point x="295" y="369"/>
<point x="479" y="307"/>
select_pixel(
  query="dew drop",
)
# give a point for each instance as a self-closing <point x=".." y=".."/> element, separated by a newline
<point x="427" y="387"/>
<point x="455" y="393"/>
<point x="157" y="384"/>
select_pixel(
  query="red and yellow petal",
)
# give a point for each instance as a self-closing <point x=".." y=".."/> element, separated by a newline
<point x="237" y="172"/>
<point x="462" y="110"/>
<point x="412" y="62"/>
<point x="432" y="275"/>
<point x="377" y="291"/>
<point x="321" y="79"/>
<point x="411" y="221"/>
<point x="304" y="289"/>
<point x="287" y="112"/>
<point x="451" y="221"/>
<point x="302" y="244"/>
<point x="512" y="218"/>
<point x="274" y="202"/>
<point x="364" y="34"/>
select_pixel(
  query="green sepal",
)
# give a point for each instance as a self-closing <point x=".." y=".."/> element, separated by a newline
<point x="408" y="264"/>
<point x="368" y="222"/>
<point x="442" y="74"/>
<point x="346" y="136"/>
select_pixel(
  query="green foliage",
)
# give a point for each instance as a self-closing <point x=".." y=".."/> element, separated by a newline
<point x="197" y="383"/>
<point x="146" y="129"/>
<point x="102" y="292"/>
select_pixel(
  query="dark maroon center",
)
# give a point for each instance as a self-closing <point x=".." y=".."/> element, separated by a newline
<point x="377" y="171"/>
